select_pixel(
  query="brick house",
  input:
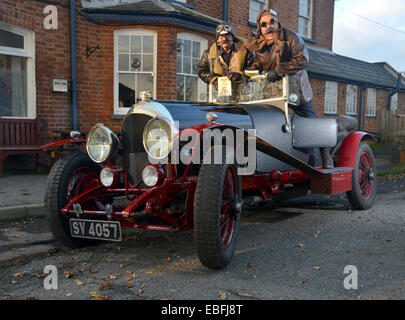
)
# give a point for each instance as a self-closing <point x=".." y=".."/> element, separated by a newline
<point x="126" y="46"/>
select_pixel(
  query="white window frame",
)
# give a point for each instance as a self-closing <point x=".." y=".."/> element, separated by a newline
<point x="371" y="102"/>
<point x="29" y="53"/>
<point x="331" y="96"/>
<point x="351" y="99"/>
<point x="201" y="85"/>
<point x="307" y="18"/>
<point x="117" y="109"/>
<point x="266" y="5"/>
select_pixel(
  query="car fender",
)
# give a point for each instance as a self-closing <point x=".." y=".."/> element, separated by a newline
<point x="348" y="149"/>
<point x="62" y="142"/>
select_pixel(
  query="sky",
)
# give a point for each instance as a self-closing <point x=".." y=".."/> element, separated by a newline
<point x="361" y="39"/>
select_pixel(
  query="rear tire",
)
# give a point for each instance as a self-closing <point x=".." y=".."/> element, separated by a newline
<point x="216" y="216"/>
<point x="364" y="179"/>
<point x="69" y="177"/>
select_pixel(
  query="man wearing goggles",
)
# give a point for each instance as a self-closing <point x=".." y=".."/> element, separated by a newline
<point x="280" y="51"/>
<point x="226" y="57"/>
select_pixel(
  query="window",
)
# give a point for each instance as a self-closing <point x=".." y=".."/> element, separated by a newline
<point x="255" y="6"/>
<point x="305" y="19"/>
<point x="189" y="52"/>
<point x="371" y="102"/>
<point x="351" y="99"/>
<point x="135" y="67"/>
<point x="331" y="92"/>
<point x="394" y="102"/>
<point x="17" y="72"/>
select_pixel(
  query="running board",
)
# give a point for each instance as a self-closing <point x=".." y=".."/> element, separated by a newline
<point x="332" y="181"/>
<point x="324" y="181"/>
<point x="278" y="154"/>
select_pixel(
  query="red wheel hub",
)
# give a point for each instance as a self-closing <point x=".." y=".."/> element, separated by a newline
<point x="366" y="175"/>
<point x="81" y="180"/>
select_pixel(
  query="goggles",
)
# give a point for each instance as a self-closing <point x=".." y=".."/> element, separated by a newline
<point x="272" y="22"/>
<point x="221" y="29"/>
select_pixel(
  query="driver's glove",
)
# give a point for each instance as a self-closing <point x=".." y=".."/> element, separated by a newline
<point x="235" y="77"/>
<point x="273" y="76"/>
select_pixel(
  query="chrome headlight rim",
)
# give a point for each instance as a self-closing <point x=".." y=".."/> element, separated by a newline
<point x="113" y="142"/>
<point x="173" y="133"/>
<point x="158" y="173"/>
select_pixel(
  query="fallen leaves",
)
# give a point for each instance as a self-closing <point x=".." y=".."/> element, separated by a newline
<point x="19" y="274"/>
<point x="97" y="296"/>
<point x="140" y="290"/>
<point x="222" y="295"/>
<point x="79" y="283"/>
<point x="317" y="268"/>
<point x="123" y="265"/>
<point x="105" y="286"/>
<point x="247" y="295"/>
<point x="17" y="260"/>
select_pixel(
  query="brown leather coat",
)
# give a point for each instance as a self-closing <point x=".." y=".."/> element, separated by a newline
<point x="212" y="65"/>
<point x="288" y="56"/>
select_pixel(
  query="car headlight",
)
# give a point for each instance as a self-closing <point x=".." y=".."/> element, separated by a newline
<point x="101" y="143"/>
<point x="158" y="137"/>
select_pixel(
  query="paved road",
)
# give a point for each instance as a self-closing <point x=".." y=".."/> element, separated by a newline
<point x="297" y="250"/>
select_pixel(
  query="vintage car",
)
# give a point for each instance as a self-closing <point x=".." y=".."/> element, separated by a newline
<point x="161" y="171"/>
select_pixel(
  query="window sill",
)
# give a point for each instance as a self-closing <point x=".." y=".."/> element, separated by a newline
<point x="252" y="24"/>
<point x="351" y="114"/>
<point x="371" y="117"/>
<point x="330" y="113"/>
<point x="117" y="116"/>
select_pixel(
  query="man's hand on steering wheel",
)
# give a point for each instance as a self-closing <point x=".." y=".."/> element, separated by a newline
<point x="273" y="76"/>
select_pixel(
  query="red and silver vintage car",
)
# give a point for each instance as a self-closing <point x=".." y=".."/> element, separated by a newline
<point x="154" y="174"/>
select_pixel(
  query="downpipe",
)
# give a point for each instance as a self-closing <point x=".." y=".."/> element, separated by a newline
<point x="73" y="63"/>
<point x="396" y="90"/>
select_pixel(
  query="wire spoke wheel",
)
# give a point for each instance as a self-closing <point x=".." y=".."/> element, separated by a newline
<point x="228" y="216"/>
<point x="217" y="207"/>
<point x="69" y="177"/>
<point x="364" y="179"/>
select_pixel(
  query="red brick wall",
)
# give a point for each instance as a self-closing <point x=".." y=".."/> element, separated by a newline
<point x="322" y="23"/>
<point x="288" y="11"/>
<point x="52" y="54"/>
<point x="322" y="18"/>
<point x="95" y="74"/>
<point x="212" y="8"/>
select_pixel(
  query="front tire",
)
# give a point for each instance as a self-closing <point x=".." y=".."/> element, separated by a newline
<point x="69" y="177"/>
<point x="364" y="179"/>
<point x="217" y="212"/>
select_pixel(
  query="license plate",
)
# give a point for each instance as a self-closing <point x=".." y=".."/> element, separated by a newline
<point x="95" y="229"/>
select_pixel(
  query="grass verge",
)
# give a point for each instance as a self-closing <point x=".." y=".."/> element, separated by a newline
<point x="392" y="171"/>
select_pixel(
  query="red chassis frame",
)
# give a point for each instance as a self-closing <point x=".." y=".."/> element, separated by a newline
<point x="155" y="199"/>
